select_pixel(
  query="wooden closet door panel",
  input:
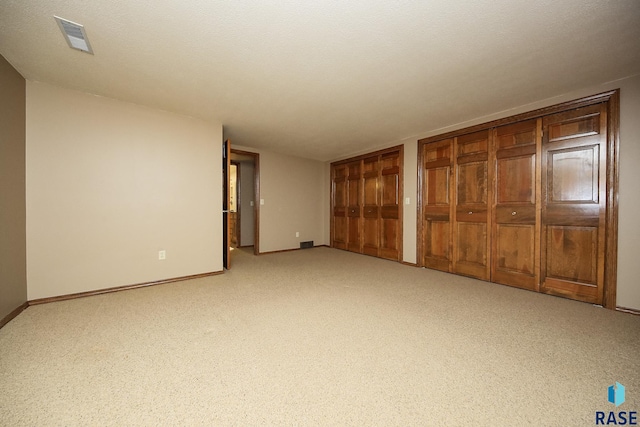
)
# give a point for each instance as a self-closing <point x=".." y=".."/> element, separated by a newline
<point x="390" y="230"/>
<point x="471" y="215"/>
<point x="339" y="201"/>
<point x="472" y="183"/>
<point x="354" y="206"/>
<point x="574" y="195"/>
<point x="515" y="236"/>
<point x="515" y="174"/>
<point x="471" y="251"/>
<point x="437" y="249"/>
<point x="437" y="188"/>
<point x="371" y="198"/>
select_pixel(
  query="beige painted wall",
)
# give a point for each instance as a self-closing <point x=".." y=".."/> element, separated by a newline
<point x="629" y="200"/>
<point x="409" y="215"/>
<point x="13" y="270"/>
<point x="291" y="188"/>
<point x="109" y="184"/>
<point x="629" y="197"/>
<point x="247" y="187"/>
<point x="326" y="196"/>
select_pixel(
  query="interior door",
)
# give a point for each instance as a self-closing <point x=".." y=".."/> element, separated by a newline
<point x="226" y="237"/>
<point x="574" y="203"/>
<point x="515" y="237"/>
<point x="234" y="204"/>
<point x="437" y="193"/>
<point x="391" y="199"/>
<point x="471" y="216"/>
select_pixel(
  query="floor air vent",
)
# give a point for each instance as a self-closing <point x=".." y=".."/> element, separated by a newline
<point x="306" y="245"/>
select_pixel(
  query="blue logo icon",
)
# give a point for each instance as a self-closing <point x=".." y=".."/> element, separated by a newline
<point x="616" y="394"/>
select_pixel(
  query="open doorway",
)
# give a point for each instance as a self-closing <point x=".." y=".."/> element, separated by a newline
<point x="244" y="206"/>
<point x="234" y="204"/>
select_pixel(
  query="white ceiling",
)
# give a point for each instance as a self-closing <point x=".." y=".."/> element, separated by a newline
<point x="323" y="79"/>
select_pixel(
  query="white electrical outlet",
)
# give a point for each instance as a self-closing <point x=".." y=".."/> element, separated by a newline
<point x="297" y="234"/>
<point x="251" y="203"/>
<point x="162" y="254"/>
<point x="407" y="201"/>
<point x="261" y="201"/>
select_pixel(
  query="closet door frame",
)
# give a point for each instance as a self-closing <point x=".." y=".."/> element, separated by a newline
<point x="612" y="100"/>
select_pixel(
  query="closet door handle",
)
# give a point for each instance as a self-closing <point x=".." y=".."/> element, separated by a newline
<point x="470" y="212"/>
<point x="513" y="213"/>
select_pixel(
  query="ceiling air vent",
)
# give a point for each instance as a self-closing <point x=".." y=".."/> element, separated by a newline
<point x="74" y="34"/>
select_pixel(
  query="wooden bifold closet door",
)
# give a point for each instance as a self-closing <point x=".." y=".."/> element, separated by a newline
<point x="366" y="196"/>
<point x="471" y="220"/>
<point x="390" y="207"/>
<point x="437" y="164"/>
<point x="574" y="194"/>
<point x="528" y="201"/>
<point x="371" y="205"/>
<point x="455" y="200"/>
<point x="516" y="214"/>
<point x="339" y="206"/>
<point x="354" y="226"/>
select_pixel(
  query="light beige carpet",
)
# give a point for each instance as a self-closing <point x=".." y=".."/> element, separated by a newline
<point x="317" y="337"/>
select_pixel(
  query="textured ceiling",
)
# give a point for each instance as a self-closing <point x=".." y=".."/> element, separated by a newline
<point x="326" y="79"/>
